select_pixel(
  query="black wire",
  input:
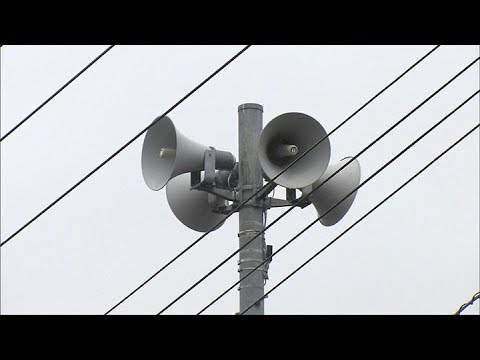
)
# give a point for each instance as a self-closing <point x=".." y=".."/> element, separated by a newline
<point x="467" y="304"/>
<point x="339" y="202"/>
<point x="317" y="187"/>
<point x="359" y="220"/>
<point x="125" y="145"/>
<point x="238" y="207"/>
<point x="56" y="93"/>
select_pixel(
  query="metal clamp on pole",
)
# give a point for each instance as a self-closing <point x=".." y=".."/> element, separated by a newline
<point x="213" y="182"/>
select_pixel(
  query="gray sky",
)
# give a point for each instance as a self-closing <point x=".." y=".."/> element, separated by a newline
<point x="417" y="254"/>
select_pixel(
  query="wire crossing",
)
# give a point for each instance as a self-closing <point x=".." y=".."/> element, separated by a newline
<point x="273" y="179"/>
<point x="126" y="145"/>
<point x="360" y="219"/>
<point x="467" y="304"/>
<point x="318" y="186"/>
<point x="339" y="202"/>
<point x="56" y="92"/>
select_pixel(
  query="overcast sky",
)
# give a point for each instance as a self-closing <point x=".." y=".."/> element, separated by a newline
<point x="417" y="254"/>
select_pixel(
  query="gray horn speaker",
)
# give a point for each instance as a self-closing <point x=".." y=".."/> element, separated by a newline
<point x="167" y="153"/>
<point x="287" y="137"/>
<point x="334" y="190"/>
<point x="191" y="206"/>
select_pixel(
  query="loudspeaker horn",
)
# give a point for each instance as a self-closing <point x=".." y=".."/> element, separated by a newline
<point x="167" y="153"/>
<point x="287" y="137"/>
<point x="191" y="206"/>
<point x="334" y="190"/>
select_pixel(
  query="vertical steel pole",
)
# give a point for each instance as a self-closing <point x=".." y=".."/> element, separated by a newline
<point x="250" y="124"/>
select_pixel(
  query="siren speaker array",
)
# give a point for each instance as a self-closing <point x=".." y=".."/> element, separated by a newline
<point x="168" y="158"/>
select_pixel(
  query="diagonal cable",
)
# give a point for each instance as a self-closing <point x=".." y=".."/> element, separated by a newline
<point x="467" y="304"/>
<point x="125" y="145"/>
<point x="56" y="93"/>
<point x="318" y="186"/>
<point x="363" y="217"/>
<point x="267" y="259"/>
<point x="238" y="207"/>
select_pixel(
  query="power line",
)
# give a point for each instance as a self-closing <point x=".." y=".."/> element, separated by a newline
<point x="125" y="145"/>
<point x="317" y="187"/>
<point x="359" y="220"/>
<point x="238" y="207"/>
<point x="339" y="202"/>
<point x="467" y="304"/>
<point x="56" y="93"/>
<point x="303" y="197"/>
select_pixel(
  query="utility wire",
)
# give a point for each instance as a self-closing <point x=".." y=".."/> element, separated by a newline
<point x="56" y="93"/>
<point x="339" y="202"/>
<point x="359" y="220"/>
<point x="126" y="144"/>
<point x="318" y="186"/>
<point x="238" y="207"/>
<point x="467" y="304"/>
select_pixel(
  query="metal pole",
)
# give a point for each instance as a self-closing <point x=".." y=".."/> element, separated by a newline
<point x="250" y="118"/>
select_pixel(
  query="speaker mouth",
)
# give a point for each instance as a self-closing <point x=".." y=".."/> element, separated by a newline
<point x="160" y="138"/>
<point x="297" y="132"/>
